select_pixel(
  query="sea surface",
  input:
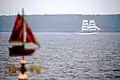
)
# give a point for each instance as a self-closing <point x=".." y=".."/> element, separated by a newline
<point x="68" y="56"/>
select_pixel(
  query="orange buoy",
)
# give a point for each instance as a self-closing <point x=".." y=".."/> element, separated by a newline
<point x="22" y="77"/>
<point x="23" y="61"/>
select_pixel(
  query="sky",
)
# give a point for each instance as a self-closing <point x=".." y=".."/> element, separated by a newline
<point x="11" y="7"/>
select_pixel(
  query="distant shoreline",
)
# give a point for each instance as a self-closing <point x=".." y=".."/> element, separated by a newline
<point x="63" y="31"/>
<point x="62" y="23"/>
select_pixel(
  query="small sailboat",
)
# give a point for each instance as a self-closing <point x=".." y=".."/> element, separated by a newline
<point x="22" y="35"/>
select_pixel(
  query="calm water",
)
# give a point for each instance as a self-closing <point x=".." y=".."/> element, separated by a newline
<point x="69" y="57"/>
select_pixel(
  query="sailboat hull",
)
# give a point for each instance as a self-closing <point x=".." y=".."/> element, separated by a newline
<point x="20" y="51"/>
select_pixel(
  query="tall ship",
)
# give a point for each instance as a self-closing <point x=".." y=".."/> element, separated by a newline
<point x="89" y="26"/>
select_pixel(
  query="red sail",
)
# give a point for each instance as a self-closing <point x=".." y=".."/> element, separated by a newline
<point x="30" y="37"/>
<point x="17" y="33"/>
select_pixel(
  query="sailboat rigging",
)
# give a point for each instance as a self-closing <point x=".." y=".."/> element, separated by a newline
<point x="19" y="39"/>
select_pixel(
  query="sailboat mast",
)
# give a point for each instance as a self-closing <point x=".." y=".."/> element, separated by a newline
<point x="23" y="25"/>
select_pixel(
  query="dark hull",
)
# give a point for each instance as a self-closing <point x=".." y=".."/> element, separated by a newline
<point x="20" y="51"/>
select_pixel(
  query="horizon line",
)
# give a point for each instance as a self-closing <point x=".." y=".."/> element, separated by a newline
<point x="63" y="14"/>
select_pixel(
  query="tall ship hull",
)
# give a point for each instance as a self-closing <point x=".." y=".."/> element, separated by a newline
<point x="90" y="31"/>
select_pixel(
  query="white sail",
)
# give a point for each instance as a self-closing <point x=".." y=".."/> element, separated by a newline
<point x="92" y="26"/>
<point x="89" y="27"/>
<point x="84" y="26"/>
